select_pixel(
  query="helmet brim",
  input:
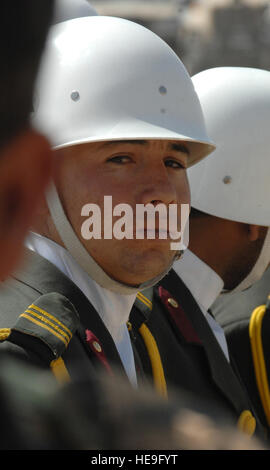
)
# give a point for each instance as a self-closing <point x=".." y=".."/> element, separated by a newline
<point x="142" y="130"/>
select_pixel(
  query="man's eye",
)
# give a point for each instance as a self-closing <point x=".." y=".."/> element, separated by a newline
<point x="174" y="164"/>
<point x="120" y="159"/>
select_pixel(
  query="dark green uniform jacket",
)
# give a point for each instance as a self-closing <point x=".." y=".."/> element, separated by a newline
<point x="50" y="318"/>
<point x="190" y="354"/>
<point x="234" y="312"/>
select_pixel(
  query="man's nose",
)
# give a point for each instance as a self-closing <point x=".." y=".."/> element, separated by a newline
<point x="158" y="188"/>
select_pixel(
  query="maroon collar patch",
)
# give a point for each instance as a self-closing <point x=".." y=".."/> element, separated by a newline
<point x="179" y="317"/>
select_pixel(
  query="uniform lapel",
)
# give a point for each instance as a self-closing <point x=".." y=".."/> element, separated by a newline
<point x="221" y="371"/>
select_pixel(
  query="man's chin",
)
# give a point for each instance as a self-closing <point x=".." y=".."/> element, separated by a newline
<point x="144" y="267"/>
<point x="134" y="262"/>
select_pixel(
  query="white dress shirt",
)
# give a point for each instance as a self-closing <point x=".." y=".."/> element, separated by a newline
<point x="113" y="309"/>
<point x="205" y="285"/>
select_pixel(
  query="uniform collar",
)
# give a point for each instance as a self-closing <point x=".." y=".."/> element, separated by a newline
<point x="204" y="283"/>
<point x="113" y="308"/>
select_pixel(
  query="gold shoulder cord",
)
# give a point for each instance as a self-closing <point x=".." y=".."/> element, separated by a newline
<point x="59" y="370"/>
<point x="247" y="423"/>
<point x="153" y="352"/>
<point x="255" y="328"/>
<point x="4" y="333"/>
<point x="157" y="368"/>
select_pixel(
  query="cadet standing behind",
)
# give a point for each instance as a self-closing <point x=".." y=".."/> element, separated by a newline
<point x="231" y="198"/>
<point x="230" y="222"/>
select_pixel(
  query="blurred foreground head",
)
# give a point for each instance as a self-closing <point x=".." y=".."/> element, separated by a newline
<point x="24" y="154"/>
<point x="104" y="414"/>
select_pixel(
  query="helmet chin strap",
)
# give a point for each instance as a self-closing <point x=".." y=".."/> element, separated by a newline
<point x="81" y="255"/>
<point x="259" y="267"/>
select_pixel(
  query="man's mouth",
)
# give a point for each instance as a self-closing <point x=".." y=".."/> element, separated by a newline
<point x="154" y="233"/>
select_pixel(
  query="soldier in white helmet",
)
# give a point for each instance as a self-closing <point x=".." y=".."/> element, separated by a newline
<point x="124" y="120"/>
<point x="239" y="215"/>
<point x="229" y="236"/>
<point x="239" y="210"/>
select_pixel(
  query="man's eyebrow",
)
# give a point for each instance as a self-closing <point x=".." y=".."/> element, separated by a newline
<point x="172" y="146"/>
<point x="179" y="148"/>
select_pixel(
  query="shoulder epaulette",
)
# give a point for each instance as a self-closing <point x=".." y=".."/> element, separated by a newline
<point x="45" y="329"/>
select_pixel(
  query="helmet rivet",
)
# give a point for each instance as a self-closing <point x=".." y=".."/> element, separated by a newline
<point x="75" y="96"/>
<point x="162" y="90"/>
<point x="227" y="179"/>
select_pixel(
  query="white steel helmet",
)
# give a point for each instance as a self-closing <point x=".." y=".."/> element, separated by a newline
<point x="106" y="78"/>
<point x="65" y="10"/>
<point x="234" y="184"/>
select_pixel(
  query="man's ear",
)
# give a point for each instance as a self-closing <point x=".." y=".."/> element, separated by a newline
<point x="30" y="161"/>
<point x="25" y="169"/>
<point x="256" y="232"/>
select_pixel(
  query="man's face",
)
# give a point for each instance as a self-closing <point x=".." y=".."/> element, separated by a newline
<point x="244" y="259"/>
<point x="131" y="172"/>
